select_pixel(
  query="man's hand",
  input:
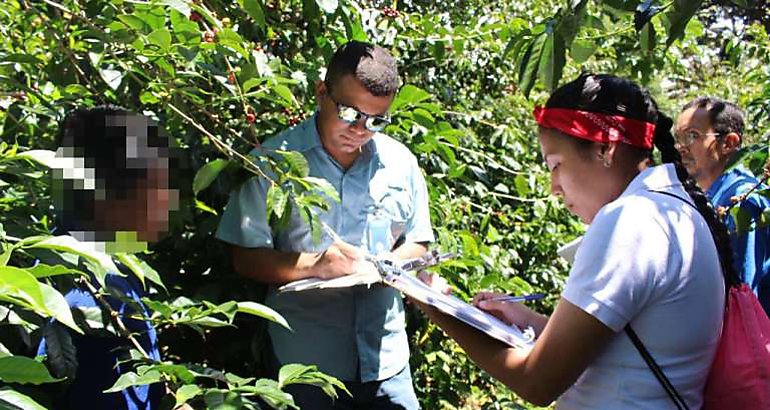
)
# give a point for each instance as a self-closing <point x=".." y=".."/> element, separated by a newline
<point x="435" y="281"/>
<point x="339" y="259"/>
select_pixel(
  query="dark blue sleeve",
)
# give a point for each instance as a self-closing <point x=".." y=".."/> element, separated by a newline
<point x="99" y="357"/>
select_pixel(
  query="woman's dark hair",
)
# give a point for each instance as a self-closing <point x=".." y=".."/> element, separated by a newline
<point x="370" y="64"/>
<point x="110" y="151"/>
<point x="607" y="94"/>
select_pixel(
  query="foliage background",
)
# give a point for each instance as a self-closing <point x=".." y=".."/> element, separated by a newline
<point x="473" y="71"/>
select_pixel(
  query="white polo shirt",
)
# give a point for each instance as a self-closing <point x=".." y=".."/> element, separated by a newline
<point x="648" y="259"/>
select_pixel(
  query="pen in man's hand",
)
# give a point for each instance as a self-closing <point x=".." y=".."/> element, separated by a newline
<point x="519" y="298"/>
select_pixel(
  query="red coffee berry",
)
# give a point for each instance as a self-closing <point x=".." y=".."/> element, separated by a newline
<point x="231" y="77"/>
<point x="209" y="36"/>
<point x="195" y="16"/>
<point x="250" y="118"/>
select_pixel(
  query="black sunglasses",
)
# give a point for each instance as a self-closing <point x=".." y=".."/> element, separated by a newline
<point x="373" y="123"/>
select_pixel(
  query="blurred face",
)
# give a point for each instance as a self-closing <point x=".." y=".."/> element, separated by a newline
<point x="341" y="139"/>
<point x="156" y="199"/>
<point x="145" y="210"/>
<point x="699" y="145"/>
<point x="578" y="174"/>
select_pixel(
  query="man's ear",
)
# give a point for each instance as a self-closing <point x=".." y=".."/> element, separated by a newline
<point x="320" y="90"/>
<point x="730" y="143"/>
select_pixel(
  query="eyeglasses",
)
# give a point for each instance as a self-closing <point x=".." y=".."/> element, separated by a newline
<point x="373" y="123"/>
<point x="685" y="138"/>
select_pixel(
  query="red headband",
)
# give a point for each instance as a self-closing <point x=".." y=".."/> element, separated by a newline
<point x="597" y="127"/>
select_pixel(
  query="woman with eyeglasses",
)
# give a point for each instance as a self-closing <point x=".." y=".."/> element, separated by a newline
<point x="651" y="262"/>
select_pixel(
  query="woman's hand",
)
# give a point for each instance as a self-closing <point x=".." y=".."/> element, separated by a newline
<point x="512" y="313"/>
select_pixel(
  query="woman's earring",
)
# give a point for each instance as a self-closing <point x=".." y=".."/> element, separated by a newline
<point x="606" y="164"/>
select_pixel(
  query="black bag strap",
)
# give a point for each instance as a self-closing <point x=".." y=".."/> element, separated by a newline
<point x="656" y="370"/>
<point x="674" y="196"/>
<point x="673" y="394"/>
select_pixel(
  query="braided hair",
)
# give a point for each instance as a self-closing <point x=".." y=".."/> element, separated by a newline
<point x="607" y="94"/>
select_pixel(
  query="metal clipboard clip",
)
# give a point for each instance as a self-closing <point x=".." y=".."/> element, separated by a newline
<point x="387" y="268"/>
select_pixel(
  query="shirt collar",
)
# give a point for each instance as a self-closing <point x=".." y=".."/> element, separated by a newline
<point x="727" y="179"/>
<point x="657" y="178"/>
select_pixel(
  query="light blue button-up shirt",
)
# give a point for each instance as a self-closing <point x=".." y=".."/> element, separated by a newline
<point x="355" y="333"/>
<point x="751" y="249"/>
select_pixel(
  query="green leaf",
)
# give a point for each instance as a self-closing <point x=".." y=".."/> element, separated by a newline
<point x="77" y="89"/>
<point x="328" y="6"/>
<point x="230" y="38"/>
<point x="20" y="369"/>
<point x="647" y="38"/>
<point x="44" y="271"/>
<point x="207" y="174"/>
<point x="297" y="162"/>
<point x="522" y="185"/>
<point x="140" y="268"/>
<point x="132" y="21"/>
<point x="255" y="11"/>
<point x="20" y="287"/>
<point x="269" y="391"/>
<point x="185" y="393"/>
<point x="60" y="351"/>
<point x="22" y="58"/>
<point x="681" y="14"/>
<point x="222" y="400"/>
<point x="42" y="156"/>
<point x="324" y="186"/>
<point x="205" y="208"/>
<point x="742" y="218"/>
<point x="111" y="77"/>
<point x="304" y="374"/>
<point x="178" y="5"/>
<point x="408" y="95"/>
<point x="256" y="309"/>
<point x="12" y="400"/>
<point x="276" y="200"/>
<point x="160" y="38"/>
<point x="100" y="262"/>
<point x="552" y="61"/>
<point x="285" y="93"/>
<point x="582" y="50"/>
<point x="530" y="62"/>
<point x="131" y="379"/>
<point x="58" y="306"/>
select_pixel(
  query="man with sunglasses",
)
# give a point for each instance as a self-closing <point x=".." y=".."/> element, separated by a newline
<point x="356" y="334"/>
<point x="708" y="134"/>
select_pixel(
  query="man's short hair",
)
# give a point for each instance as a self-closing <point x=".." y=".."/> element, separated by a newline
<point x="370" y="64"/>
<point x="725" y="117"/>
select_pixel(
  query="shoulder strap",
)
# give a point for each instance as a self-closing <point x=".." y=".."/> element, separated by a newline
<point x="674" y="196"/>
<point x="656" y="370"/>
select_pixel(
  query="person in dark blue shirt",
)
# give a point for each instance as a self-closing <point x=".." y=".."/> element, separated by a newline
<point x="111" y="182"/>
<point x="709" y="132"/>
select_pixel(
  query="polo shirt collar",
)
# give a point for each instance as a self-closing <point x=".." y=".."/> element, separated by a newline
<point x="656" y="178"/>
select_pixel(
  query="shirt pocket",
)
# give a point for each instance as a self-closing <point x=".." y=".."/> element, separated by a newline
<point x="396" y="202"/>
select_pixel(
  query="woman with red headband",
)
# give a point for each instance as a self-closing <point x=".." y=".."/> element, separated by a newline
<point x="648" y="265"/>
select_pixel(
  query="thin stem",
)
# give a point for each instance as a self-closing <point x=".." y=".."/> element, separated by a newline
<point x="227" y="150"/>
<point x="115" y="317"/>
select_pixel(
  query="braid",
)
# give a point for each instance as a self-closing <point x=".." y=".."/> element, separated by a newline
<point x="664" y="141"/>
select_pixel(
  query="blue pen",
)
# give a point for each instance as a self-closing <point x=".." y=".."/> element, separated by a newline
<point x="521" y="298"/>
